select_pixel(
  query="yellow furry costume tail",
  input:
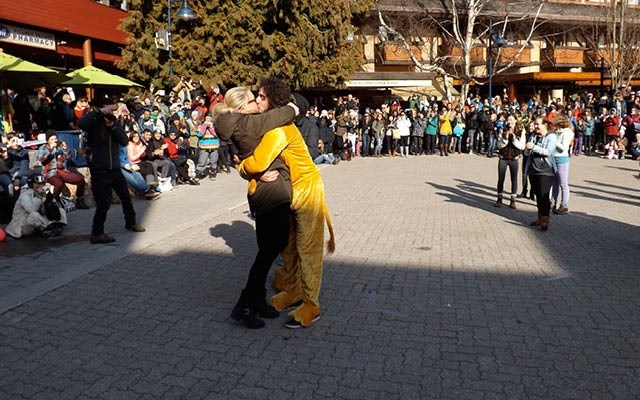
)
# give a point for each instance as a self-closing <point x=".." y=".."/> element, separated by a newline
<point x="331" y="244"/>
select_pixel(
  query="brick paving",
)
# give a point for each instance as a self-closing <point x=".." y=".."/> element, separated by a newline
<point x="432" y="293"/>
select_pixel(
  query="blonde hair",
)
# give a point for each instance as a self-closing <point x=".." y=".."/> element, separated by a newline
<point x="233" y="100"/>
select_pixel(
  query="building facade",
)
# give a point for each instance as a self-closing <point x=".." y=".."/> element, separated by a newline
<point x="63" y="35"/>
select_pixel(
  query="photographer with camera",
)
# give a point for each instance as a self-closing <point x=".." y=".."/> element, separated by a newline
<point x="53" y="156"/>
<point x="105" y="136"/>
<point x="36" y="211"/>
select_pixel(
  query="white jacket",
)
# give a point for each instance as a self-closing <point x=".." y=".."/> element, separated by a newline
<point x="26" y="216"/>
<point x="404" y="125"/>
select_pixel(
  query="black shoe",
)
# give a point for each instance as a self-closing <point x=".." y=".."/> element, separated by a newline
<point x="193" y="182"/>
<point x="245" y="313"/>
<point x="213" y="174"/>
<point x="498" y="202"/>
<point x="263" y="308"/>
<point x="80" y="204"/>
<point x="293" y="324"/>
<point x="101" y="239"/>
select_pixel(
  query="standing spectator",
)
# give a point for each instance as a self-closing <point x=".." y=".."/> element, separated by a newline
<point x="510" y="144"/>
<point x="431" y="132"/>
<point x="64" y="117"/>
<point x="458" y="131"/>
<point x="577" y="144"/>
<point x="215" y="96"/>
<point x="378" y="128"/>
<point x="404" y="126"/>
<point x="611" y="124"/>
<point x="82" y="107"/>
<point x="472" y="125"/>
<point x="308" y="129"/>
<point x="367" y="131"/>
<point x="564" y="132"/>
<point x="446" y="130"/>
<point x="105" y="136"/>
<point x="208" y="144"/>
<point x="53" y="156"/>
<point x="589" y="128"/>
<point x="541" y="167"/>
<point x="417" y="133"/>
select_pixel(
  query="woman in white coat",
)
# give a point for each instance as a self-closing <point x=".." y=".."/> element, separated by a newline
<point x="28" y="213"/>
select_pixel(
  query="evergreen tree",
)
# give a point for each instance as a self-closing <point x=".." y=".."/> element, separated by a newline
<point x="237" y="42"/>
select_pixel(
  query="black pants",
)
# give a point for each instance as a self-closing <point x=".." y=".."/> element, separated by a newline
<point x="416" y="144"/>
<point x="525" y="178"/>
<point x="541" y="185"/>
<point x="272" y="234"/>
<point x="431" y="144"/>
<point x="587" y="144"/>
<point x="102" y="181"/>
<point x="502" y="174"/>
<point x="224" y="157"/>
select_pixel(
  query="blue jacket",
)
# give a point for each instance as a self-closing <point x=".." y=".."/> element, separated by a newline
<point x="546" y="147"/>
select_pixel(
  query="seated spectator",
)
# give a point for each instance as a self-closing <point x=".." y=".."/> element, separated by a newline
<point x="158" y="156"/>
<point x="132" y="175"/>
<point x="136" y="152"/>
<point x="176" y="150"/>
<point x="36" y="212"/>
<point x="53" y="156"/>
<point x="6" y="187"/>
<point x="323" y="156"/>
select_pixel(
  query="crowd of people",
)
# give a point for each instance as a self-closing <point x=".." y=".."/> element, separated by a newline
<point x="172" y="139"/>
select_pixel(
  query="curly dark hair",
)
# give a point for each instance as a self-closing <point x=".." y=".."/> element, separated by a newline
<point x="277" y="91"/>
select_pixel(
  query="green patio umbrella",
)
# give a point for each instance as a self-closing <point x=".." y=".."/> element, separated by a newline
<point x="16" y="73"/>
<point x="96" y="77"/>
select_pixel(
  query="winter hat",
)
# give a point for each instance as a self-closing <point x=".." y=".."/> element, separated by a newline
<point x="50" y="132"/>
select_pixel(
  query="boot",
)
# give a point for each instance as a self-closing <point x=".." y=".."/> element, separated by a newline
<point x="243" y="311"/>
<point x="512" y="204"/>
<point x="536" y="222"/>
<point x="544" y="223"/>
<point x="80" y="204"/>
<point x="498" y="202"/>
<point x="264" y="309"/>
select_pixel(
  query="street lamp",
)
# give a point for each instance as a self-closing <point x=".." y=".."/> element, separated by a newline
<point x="185" y="13"/>
<point x="498" y="41"/>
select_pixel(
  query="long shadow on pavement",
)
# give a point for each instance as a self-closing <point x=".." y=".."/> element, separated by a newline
<point x="158" y="326"/>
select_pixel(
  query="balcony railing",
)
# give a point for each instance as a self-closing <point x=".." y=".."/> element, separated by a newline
<point x="510" y="54"/>
<point x="559" y="57"/>
<point x="454" y="56"/>
<point x="395" y="53"/>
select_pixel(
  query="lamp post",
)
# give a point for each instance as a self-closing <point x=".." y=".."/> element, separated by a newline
<point x="498" y="42"/>
<point x="185" y="13"/>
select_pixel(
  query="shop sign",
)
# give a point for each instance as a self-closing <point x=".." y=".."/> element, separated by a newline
<point x="27" y="37"/>
<point x="389" y="83"/>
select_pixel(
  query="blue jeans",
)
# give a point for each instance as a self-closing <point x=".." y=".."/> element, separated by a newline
<point x="561" y="183"/>
<point x="491" y="147"/>
<point x="366" y="142"/>
<point x="378" y="148"/>
<point x="471" y="136"/>
<point x="135" y="180"/>
<point x="325" y="158"/>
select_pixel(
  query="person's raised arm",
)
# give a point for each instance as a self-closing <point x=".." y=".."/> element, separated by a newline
<point x="259" y="124"/>
<point x="271" y="145"/>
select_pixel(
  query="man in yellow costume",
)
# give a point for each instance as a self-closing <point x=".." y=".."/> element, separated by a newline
<point x="303" y="258"/>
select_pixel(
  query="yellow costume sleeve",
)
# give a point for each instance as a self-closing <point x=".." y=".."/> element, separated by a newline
<point x="271" y="145"/>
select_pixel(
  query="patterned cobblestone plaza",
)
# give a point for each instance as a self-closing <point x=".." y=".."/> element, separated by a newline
<point x="433" y="293"/>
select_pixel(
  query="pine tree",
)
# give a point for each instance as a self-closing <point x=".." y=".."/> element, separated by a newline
<point x="237" y="42"/>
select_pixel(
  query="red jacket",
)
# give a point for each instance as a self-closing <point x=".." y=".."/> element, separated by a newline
<point x="611" y="125"/>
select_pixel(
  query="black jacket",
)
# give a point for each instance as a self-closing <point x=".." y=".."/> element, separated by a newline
<point x="103" y="142"/>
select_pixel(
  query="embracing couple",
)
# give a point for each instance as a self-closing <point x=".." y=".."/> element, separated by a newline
<point x="286" y="195"/>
